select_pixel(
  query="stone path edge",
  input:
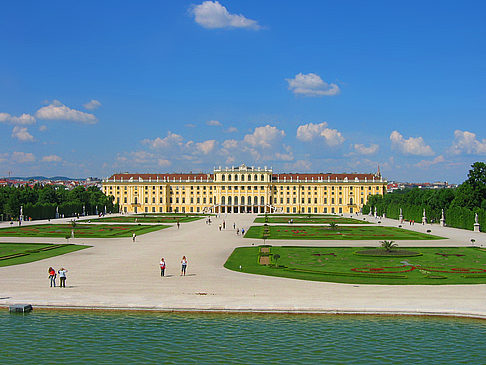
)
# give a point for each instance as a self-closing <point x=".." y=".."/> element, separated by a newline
<point x="265" y="311"/>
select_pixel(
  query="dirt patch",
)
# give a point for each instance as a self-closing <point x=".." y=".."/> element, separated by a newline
<point x="265" y="249"/>
<point x="264" y="260"/>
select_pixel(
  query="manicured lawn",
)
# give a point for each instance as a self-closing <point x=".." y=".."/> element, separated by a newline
<point x="21" y="253"/>
<point x="434" y="266"/>
<point x="81" y="230"/>
<point x="148" y="219"/>
<point x="340" y="233"/>
<point x="310" y="220"/>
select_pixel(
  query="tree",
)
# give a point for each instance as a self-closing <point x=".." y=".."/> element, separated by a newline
<point x="333" y="226"/>
<point x="388" y="245"/>
<point x="276" y="257"/>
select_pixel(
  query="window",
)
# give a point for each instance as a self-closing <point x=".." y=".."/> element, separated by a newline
<point x="332" y="201"/>
<point x="262" y="178"/>
<point x="204" y="200"/>
<point x="146" y="209"/>
<point x="294" y="200"/>
<point x="125" y="200"/>
<point x="192" y="200"/>
<point x="325" y="200"/>
<point x="236" y="177"/>
<point x="177" y="200"/>
<point x="242" y="177"/>
<point x="153" y="209"/>
<point x="340" y="200"/>
<point x="223" y="177"/>
<point x="161" y="200"/>
<point x="183" y="200"/>
<point x="249" y="177"/>
<point x="136" y="200"/>
<point x="229" y="177"/>
<point x="160" y="210"/>
<point x="153" y="200"/>
<point x="340" y="210"/>
<point x="211" y="200"/>
<point x="325" y="210"/>
<point x="281" y="200"/>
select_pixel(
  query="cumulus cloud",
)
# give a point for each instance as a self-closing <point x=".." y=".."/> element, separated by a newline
<point x="24" y="119"/>
<point x="206" y="146"/>
<point x="308" y="132"/>
<point x="363" y="150"/>
<point x="51" y="158"/>
<point x="214" y="123"/>
<point x="92" y="104"/>
<point x="230" y="143"/>
<point x="43" y="128"/>
<point x="163" y="162"/>
<point x="425" y="164"/>
<point x="410" y="146"/>
<point x="311" y="85"/>
<point x="213" y="15"/>
<point x="58" y="111"/>
<point x="22" y="134"/>
<point x="299" y="165"/>
<point x="23" y="157"/>
<point x="466" y="142"/>
<point x="264" y="137"/>
<point x="172" y="139"/>
<point x="232" y="130"/>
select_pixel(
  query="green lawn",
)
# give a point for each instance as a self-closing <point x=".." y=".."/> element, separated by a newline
<point x="340" y="233"/>
<point x="435" y="266"/>
<point x="21" y="253"/>
<point x="81" y="230"/>
<point x="148" y="219"/>
<point x="310" y="220"/>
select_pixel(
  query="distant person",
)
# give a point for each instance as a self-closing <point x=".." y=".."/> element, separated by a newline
<point x="52" y="277"/>
<point x="237" y="231"/>
<point x="184" y="265"/>
<point x="234" y="225"/>
<point x="134" y="236"/>
<point x="162" y="267"/>
<point x="178" y="224"/>
<point x="224" y="224"/>
<point x="62" y="277"/>
<point x="220" y="227"/>
<point x="242" y="231"/>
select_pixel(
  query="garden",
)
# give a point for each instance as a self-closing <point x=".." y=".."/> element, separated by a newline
<point x="310" y="219"/>
<point x="21" y="253"/>
<point x="162" y="218"/>
<point x="365" y="265"/>
<point x="80" y="230"/>
<point x="335" y="232"/>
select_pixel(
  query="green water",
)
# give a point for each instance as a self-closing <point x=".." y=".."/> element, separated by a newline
<point x="70" y="337"/>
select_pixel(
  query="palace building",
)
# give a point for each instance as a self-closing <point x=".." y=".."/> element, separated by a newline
<point x="243" y="189"/>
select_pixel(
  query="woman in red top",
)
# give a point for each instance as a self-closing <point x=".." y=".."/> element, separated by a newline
<point x="52" y="277"/>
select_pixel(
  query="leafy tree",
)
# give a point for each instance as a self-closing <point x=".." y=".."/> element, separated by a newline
<point x="388" y="245"/>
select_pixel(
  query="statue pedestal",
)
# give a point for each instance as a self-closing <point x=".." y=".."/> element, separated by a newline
<point x="442" y="222"/>
<point x="424" y="220"/>
<point x="400" y="218"/>
<point x="477" y="227"/>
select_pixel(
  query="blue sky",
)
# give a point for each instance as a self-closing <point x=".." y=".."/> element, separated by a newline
<point x="91" y="88"/>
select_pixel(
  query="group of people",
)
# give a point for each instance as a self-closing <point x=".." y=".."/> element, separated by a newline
<point x="62" y="277"/>
<point x="163" y="266"/>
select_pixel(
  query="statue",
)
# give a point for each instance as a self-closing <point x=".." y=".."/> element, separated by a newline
<point x="424" y="218"/>
<point x="84" y="210"/>
<point x="477" y="226"/>
<point x="400" y="216"/>
<point x="57" y="212"/>
<point x="442" y="219"/>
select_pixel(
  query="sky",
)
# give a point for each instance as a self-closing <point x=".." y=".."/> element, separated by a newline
<point x="92" y="88"/>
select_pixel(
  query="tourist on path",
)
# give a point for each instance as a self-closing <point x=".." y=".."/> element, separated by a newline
<point x="178" y="224"/>
<point x="242" y="231"/>
<point x="52" y="277"/>
<point x="62" y="277"/>
<point x="162" y="267"/>
<point x="220" y="227"/>
<point x="224" y="225"/>
<point x="184" y="265"/>
<point x="234" y="225"/>
<point x="237" y="231"/>
<point x="133" y="237"/>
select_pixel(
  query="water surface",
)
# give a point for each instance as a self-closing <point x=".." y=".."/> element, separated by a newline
<point x="72" y="337"/>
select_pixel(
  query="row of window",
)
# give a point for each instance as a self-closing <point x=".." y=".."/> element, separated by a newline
<point x="242" y="177"/>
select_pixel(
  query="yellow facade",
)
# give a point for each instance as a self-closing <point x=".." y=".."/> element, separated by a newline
<point x="243" y="189"/>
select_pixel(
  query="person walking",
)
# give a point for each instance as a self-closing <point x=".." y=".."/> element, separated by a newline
<point x="234" y="225"/>
<point x="224" y="224"/>
<point x="178" y="224"/>
<point x="242" y="231"/>
<point x="52" y="277"/>
<point x="134" y="236"/>
<point x="162" y="267"/>
<point x="184" y="265"/>
<point x="62" y="277"/>
<point x="237" y="231"/>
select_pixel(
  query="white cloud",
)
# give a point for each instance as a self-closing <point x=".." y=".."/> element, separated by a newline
<point x="212" y="15"/>
<point x="206" y="146"/>
<point x="311" y="85"/>
<point x="190" y="125"/>
<point x="299" y="165"/>
<point x="22" y="134"/>
<point x="214" y="123"/>
<point x="363" y="150"/>
<point x="51" y="158"/>
<point x="466" y="142"/>
<point x="424" y="164"/>
<point x="92" y="104"/>
<point x="410" y="146"/>
<point x="43" y="128"/>
<point x="22" y="157"/>
<point x="232" y="130"/>
<point x="284" y="156"/>
<point x="164" y="163"/>
<point x="264" y="137"/>
<point x="58" y="111"/>
<point x="230" y="143"/>
<point x="24" y="119"/>
<point x="171" y="140"/>
<point x="308" y="132"/>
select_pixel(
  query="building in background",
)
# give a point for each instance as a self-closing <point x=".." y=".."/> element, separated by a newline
<point x="243" y="189"/>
